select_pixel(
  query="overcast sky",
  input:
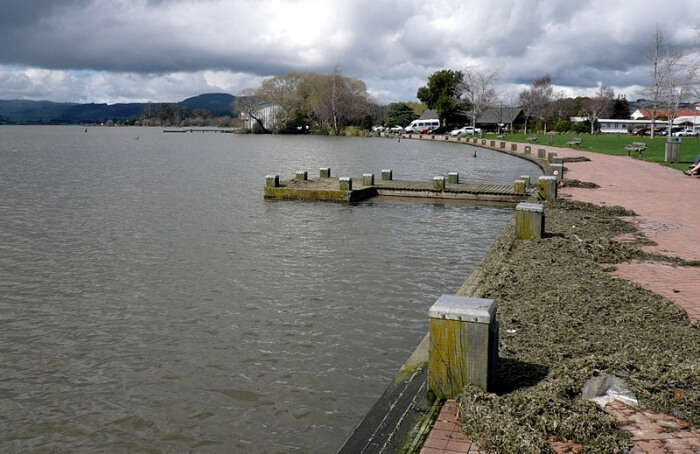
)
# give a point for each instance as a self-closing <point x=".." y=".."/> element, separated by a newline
<point x="167" y="50"/>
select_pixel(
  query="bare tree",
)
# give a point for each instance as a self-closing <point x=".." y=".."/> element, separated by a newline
<point x="534" y="100"/>
<point x="248" y="105"/>
<point x="596" y="105"/>
<point x="477" y="88"/>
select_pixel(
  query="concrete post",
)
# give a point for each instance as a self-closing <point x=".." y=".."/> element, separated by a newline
<point x="526" y="179"/>
<point x="502" y="145"/>
<point x="386" y="174"/>
<point x="439" y="183"/>
<point x="302" y="175"/>
<point x="367" y="179"/>
<point x="547" y="188"/>
<point x="345" y="183"/>
<point x="463" y="344"/>
<point x="453" y="178"/>
<point x="492" y="143"/>
<point x="324" y="172"/>
<point x="541" y="153"/>
<point x="513" y="147"/>
<point x="550" y="156"/>
<point x="529" y="221"/>
<point x="519" y="186"/>
<point x="557" y="171"/>
<point x="272" y="181"/>
<point x="528" y="149"/>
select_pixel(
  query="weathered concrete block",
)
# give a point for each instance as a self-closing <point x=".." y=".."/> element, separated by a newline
<point x="324" y="172"/>
<point x="368" y="179"/>
<point x="302" y="175"/>
<point x="272" y="181"/>
<point x="550" y="156"/>
<point x="547" y="188"/>
<point x="387" y="174"/>
<point x="519" y="186"/>
<point x="345" y="183"/>
<point x="453" y="177"/>
<point x="463" y="344"/>
<point x="541" y="153"/>
<point x="502" y="145"/>
<point x="557" y="171"/>
<point x="439" y="183"/>
<point x="529" y="221"/>
<point x="513" y="147"/>
<point x="526" y="179"/>
<point x="528" y="149"/>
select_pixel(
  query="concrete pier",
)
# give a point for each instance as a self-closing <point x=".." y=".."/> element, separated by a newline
<point x="368" y="179"/>
<point x="324" y="172"/>
<point x="463" y="344"/>
<point x="547" y="188"/>
<point x="345" y="183"/>
<point x="453" y="178"/>
<point x="272" y="181"/>
<point x="439" y="183"/>
<point x="529" y="221"/>
<point x="302" y="175"/>
<point x="387" y="174"/>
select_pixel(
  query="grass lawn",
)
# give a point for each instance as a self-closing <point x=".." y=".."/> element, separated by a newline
<point x="615" y="145"/>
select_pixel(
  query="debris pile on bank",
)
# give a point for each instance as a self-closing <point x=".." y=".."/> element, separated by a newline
<point x="564" y="320"/>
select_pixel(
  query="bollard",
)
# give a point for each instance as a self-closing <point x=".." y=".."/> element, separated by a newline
<point x="302" y="175"/>
<point x="272" y="181"/>
<point x="550" y="156"/>
<point x="547" y="188"/>
<point x="463" y="345"/>
<point x="367" y="179"/>
<point x="345" y="183"/>
<point x="324" y="172"/>
<point x="475" y="140"/>
<point x="439" y="183"/>
<point x="528" y="149"/>
<point x="503" y="145"/>
<point x="557" y="171"/>
<point x="513" y="147"/>
<point x="386" y="174"/>
<point x="492" y="143"/>
<point x="519" y="186"/>
<point x="529" y="221"/>
<point x="541" y="153"/>
<point x="453" y="178"/>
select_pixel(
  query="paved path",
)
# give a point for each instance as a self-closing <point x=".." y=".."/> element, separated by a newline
<point x="667" y="203"/>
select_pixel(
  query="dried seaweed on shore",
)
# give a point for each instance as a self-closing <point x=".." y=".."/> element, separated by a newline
<point x="578" y="184"/>
<point x="564" y="320"/>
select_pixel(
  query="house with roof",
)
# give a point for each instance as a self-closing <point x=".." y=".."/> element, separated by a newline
<point x="503" y="117"/>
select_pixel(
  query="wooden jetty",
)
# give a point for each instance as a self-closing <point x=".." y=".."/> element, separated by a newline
<point x="355" y="190"/>
<point x="223" y="131"/>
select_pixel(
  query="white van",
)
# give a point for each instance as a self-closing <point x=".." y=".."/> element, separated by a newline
<point x="423" y="126"/>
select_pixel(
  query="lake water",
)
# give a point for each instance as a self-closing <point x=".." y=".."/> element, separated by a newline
<point x="152" y="301"/>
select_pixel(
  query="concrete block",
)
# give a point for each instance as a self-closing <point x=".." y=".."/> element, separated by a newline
<point x="463" y="344"/>
<point x="301" y="175"/>
<point x="439" y="183"/>
<point x="453" y="177"/>
<point x="529" y="221"/>
<point x="367" y="179"/>
<point x="345" y="183"/>
<point x="547" y="188"/>
<point x="272" y="181"/>
<point x="387" y="174"/>
<point x="324" y="172"/>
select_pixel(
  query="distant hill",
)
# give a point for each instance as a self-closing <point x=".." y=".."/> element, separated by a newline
<point x="47" y="112"/>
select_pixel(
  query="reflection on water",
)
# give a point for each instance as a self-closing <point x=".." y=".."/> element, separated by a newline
<point x="153" y="301"/>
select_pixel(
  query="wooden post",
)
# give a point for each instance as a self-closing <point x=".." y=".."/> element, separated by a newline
<point x="386" y="174"/>
<point x="367" y="179"/>
<point x="302" y="175"/>
<point x="439" y="183"/>
<point x="324" y="172"/>
<point x="453" y="178"/>
<point x="463" y="345"/>
<point x="345" y="183"/>
<point x="529" y="221"/>
<point x="547" y="188"/>
<point x="272" y="181"/>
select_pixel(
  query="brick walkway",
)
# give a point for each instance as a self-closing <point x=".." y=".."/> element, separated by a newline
<point x="668" y="207"/>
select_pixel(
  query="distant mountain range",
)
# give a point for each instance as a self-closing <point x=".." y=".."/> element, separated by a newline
<point x="47" y="112"/>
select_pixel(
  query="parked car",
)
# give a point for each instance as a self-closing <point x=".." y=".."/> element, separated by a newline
<point x="378" y="128"/>
<point x="641" y="132"/>
<point x="686" y="133"/>
<point x="396" y="128"/>
<point x="470" y="130"/>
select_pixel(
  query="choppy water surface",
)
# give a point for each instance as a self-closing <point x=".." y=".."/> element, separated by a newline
<point x="151" y="300"/>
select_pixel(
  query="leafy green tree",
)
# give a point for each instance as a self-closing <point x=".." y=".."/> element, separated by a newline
<point x="620" y="108"/>
<point x="399" y="113"/>
<point x="442" y="93"/>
